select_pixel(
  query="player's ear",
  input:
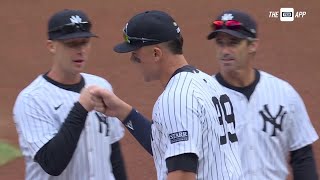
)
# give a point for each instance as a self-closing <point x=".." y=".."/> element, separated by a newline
<point x="51" y="46"/>
<point x="157" y="53"/>
<point x="253" y="45"/>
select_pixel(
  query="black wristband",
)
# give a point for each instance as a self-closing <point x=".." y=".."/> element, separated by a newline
<point x="140" y="128"/>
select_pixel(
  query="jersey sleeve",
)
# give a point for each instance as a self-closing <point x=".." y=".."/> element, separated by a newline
<point x="301" y="131"/>
<point x="34" y="126"/>
<point x="108" y="86"/>
<point x="117" y="130"/>
<point x="180" y="114"/>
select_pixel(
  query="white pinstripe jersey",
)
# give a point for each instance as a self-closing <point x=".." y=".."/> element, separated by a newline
<point x="269" y="126"/>
<point x="186" y="120"/>
<point x="38" y="119"/>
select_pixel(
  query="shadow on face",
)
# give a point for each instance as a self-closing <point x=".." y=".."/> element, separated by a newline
<point x="76" y="43"/>
<point x="55" y="46"/>
<point x="148" y="59"/>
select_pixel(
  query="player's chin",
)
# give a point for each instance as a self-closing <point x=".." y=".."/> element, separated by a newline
<point x="227" y="68"/>
<point x="146" y="79"/>
<point x="79" y="67"/>
<point x="150" y="78"/>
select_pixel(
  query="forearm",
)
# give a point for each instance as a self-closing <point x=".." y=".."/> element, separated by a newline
<point x="181" y="175"/>
<point x="140" y="128"/>
<point x="303" y="164"/>
<point x="118" y="167"/>
<point x="56" y="154"/>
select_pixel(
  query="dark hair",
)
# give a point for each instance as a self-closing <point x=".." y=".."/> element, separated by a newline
<point x="176" y="45"/>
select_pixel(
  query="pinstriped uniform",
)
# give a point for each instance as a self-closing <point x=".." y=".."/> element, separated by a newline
<point x="185" y="120"/>
<point x="269" y="126"/>
<point x="39" y="112"/>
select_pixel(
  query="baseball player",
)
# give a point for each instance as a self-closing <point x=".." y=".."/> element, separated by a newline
<point x="60" y="136"/>
<point x="271" y="119"/>
<point x="192" y="131"/>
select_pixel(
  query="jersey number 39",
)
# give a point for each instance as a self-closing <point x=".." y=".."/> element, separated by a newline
<point x="220" y="105"/>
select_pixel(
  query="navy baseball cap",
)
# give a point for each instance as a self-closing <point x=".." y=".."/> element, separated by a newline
<point x="235" y="23"/>
<point x="148" y="28"/>
<point x="69" y="24"/>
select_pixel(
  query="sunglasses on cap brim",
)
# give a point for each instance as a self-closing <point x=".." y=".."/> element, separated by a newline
<point x="72" y="27"/>
<point x="131" y="40"/>
<point x="232" y="25"/>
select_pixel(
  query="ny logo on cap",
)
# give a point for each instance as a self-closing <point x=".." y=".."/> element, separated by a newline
<point x="227" y="17"/>
<point x="176" y="25"/>
<point x="75" y="19"/>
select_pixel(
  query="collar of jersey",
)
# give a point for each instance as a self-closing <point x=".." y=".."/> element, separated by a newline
<point x="69" y="87"/>
<point x="186" y="68"/>
<point x="247" y="90"/>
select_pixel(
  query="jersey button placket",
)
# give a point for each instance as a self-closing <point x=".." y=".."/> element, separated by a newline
<point x="252" y="140"/>
<point x="89" y="149"/>
<point x="91" y="176"/>
<point x="90" y="154"/>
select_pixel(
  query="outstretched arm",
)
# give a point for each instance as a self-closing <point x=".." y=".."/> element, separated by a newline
<point x="111" y="105"/>
<point x="140" y="128"/>
<point x="52" y="158"/>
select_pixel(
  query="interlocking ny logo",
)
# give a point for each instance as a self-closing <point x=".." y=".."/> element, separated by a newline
<point x="227" y="17"/>
<point x="267" y="117"/>
<point x="75" y="19"/>
<point x="103" y="121"/>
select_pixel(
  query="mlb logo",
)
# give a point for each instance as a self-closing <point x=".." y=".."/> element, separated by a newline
<point x="286" y="14"/>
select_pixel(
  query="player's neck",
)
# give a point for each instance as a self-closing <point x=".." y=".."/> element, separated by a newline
<point x="64" y="77"/>
<point x="239" y="78"/>
<point x="170" y="65"/>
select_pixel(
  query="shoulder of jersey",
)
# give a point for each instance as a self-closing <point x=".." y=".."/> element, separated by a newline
<point x="192" y="75"/>
<point x="183" y="77"/>
<point x="200" y="78"/>
<point x="271" y="79"/>
<point x="268" y="78"/>
<point x="37" y="86"/>
<point x="91" y="79"/>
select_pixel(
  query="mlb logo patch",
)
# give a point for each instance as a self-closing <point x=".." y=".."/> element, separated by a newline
<point x="178" y="136"/>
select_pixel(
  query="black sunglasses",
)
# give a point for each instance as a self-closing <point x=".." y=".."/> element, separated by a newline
<point x="130" y="39"/>
<point x="72" y="27"/>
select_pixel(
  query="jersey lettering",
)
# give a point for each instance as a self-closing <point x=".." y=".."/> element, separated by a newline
<point x="223" y="115"/>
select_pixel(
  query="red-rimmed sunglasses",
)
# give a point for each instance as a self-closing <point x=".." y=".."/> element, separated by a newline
<point x="230" y="24"/>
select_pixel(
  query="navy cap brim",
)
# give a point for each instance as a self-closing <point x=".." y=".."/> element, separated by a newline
<point x="74" y="36"/>
<point x="228" y="31"/>
<point x="126" y="47"/>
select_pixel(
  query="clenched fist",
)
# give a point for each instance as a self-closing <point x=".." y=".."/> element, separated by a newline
<point x="109" y="104"/>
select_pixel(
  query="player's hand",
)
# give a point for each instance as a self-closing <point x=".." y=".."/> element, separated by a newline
<point x="99" y="104"/>
<point x="109" y="104"/>
<point x="86" y="99"/>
